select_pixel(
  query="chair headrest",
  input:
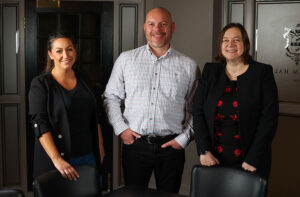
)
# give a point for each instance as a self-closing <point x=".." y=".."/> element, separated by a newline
<point x="11" y="193"/>
<point x="52" y="183"/>
<point x="225" y="181"/>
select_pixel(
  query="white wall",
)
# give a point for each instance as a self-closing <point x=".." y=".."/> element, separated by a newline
<point x="193" y="36"/>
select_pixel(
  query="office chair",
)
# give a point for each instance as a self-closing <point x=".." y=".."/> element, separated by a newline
<point x="52" y="184"/>
<point x="226" y="182"/>
<point x="11" y="193"/>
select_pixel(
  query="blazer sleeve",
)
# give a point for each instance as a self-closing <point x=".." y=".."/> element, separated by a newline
<point x="38" y="107"/>
<point x="267" y="122"/>
<point x="201" y="132"/>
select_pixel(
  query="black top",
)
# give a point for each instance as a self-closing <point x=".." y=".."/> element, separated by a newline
<point x="79" y="105"/>
<point x="227" y="145"/>
<point x="258" y="110"/>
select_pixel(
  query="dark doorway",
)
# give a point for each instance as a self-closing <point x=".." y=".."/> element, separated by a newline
<point x="91" y="23"/>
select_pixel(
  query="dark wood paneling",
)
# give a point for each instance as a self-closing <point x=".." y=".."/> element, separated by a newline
<point x="10" y="145"/>
<point x="1" y="150"/>
<point x="10" y="54"/>
<point x="106" y="42"/>
<point x="12" y="96"/>
<point x="1" y="49"/>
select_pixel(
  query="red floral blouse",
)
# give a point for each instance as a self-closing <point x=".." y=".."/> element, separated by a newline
<point x="227" y="143"/>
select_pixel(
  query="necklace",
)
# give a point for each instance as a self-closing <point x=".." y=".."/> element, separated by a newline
<point x="238" y="70"/>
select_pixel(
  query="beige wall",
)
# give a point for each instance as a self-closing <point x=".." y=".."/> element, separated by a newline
<point x="193" y="27"/>
<point x="193" y="36"/>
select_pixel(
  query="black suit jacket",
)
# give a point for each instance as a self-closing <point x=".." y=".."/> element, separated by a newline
<point x="258" y="110"/>
<point x="48" y="113"/>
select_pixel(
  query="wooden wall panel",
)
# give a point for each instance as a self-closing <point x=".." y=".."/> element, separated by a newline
<point x="10" y="145"/>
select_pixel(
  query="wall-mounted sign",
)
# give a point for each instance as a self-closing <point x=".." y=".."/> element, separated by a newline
<point x="292" y="37"/>
<point x="277" y="42"/>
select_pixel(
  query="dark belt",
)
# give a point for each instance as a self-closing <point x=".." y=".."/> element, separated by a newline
<point x="150" y="139"/>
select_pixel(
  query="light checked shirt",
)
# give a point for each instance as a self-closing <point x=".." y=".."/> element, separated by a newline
<point x="156" y="93"/>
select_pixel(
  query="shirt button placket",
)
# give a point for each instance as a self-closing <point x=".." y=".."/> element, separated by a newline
<point x="155" y="92"/>
<point x="153" y="96"/>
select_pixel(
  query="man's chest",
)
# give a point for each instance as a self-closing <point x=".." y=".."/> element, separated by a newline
<point x="164" y="77"/>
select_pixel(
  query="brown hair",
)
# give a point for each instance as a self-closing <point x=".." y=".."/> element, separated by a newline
<point x="52" y="37"/>
<point x="246" y="56"/>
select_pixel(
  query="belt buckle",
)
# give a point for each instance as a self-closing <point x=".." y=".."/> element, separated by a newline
<point x="150" y="139"/>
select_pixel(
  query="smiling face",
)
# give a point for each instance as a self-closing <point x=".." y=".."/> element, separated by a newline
<point x="232" y="45"/>
<point x="159" y="28"/>
<point x="63" y="53"/>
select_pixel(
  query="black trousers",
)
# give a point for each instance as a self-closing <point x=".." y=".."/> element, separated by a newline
<point x="141" y="158"/>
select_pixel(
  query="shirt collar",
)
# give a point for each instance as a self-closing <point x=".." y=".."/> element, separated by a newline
<point x="169" y="51"/>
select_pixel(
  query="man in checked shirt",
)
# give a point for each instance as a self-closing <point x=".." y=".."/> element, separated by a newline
<point x="156" y="83"/>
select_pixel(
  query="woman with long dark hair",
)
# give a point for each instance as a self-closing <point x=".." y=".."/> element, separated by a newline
<point x="65" y="113"/>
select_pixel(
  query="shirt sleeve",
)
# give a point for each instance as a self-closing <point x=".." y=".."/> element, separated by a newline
<point x="114" y="94"/>
<point x="188" y="134"/>
<point x="38" y="108"/>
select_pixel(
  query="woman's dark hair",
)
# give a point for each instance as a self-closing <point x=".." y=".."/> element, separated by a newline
<point x="52" y="37"/>
<point x="246" y="56"/>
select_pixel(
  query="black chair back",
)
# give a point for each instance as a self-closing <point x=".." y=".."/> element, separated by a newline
<point x="11" y="193"/>
<point x="52" y="184"/>
<point x="226" y="182"/>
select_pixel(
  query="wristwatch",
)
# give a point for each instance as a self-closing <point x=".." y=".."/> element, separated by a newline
<point x="204" y="152"/>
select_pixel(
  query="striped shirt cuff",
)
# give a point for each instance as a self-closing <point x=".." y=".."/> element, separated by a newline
<point x="182" y="140"/>
<point x="119" y="127"/>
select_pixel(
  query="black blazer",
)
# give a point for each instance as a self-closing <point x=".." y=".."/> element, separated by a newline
<point x="48" y="113"/>
<point x="258" y="108"/>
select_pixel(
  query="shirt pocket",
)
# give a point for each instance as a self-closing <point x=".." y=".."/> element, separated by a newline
<point x="174" y="84"/>
<point x="137" y="81"/>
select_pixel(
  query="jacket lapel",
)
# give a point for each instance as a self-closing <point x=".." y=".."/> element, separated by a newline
<point x="218" y="86"/>
<point x="58" y="107"/>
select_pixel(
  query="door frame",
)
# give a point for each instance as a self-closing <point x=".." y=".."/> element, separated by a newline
<point x="117" y="167"/>
<point x="20" y="97"/>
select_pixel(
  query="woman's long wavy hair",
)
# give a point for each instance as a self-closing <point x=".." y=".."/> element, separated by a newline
<point x="52" y="37"/>
<point x="246" y="56"/>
